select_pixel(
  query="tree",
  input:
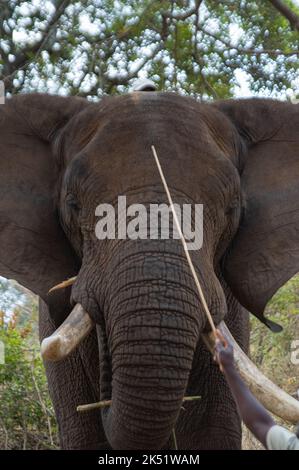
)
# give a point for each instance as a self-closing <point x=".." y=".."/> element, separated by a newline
<point x="27" y="418"/>
<point x="200" y="47"/>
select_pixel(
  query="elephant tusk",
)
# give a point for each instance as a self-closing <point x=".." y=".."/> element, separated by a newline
<point x="68" y="336"/>
<point x="64" y="284"/>
<point x="270" y="395"/>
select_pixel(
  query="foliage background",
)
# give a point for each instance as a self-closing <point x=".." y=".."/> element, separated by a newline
<point x="205" y="48"/>
<point x="27" y="419"/>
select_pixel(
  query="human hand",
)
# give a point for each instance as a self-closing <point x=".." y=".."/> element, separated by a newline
<point x="224" y="352"/>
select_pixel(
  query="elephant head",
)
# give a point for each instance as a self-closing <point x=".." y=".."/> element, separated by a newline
<point x="61" y="157"/>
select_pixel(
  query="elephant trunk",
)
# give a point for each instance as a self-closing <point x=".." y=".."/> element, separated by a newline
<point x="150" y="370"/>
<point x="152" y="332"/>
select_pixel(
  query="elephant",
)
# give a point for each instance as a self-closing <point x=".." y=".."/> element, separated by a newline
<point x="60" y="157"/>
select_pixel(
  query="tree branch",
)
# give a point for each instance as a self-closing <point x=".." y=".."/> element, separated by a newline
<point x="111" y="82"/>
<point x="43" y="405"/>
<point x="21" y="60"/>
<point x="6" y="434"/>
<point x="187" y="14"/>
<point x="241" y="50"/>
<point x="289" y="14"/>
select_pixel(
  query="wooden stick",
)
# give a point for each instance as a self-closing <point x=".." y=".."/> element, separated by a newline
<point x="192" y="398"/>
<point x="175" y="442"/>
<point x="105" y="403"/>
<point x="175" y="218"/>
<point x="94" y="406"/>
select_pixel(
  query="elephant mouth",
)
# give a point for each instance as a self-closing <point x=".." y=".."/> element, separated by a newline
<point x="79" y="324"/>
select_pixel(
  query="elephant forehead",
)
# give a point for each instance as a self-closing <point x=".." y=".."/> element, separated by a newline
<point x="115" y="139"/>
<point x="160" y="118"/>
<point x="165" y="117"/>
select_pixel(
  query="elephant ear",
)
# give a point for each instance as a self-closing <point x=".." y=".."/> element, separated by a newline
<point x="33" y="247"/>
<point x="265" y="251"/>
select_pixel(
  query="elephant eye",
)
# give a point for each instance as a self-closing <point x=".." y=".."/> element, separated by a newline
<point x="72" y="202"/>
<point x="233" y="206"/>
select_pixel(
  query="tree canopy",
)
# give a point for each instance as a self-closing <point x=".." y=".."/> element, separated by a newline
<point x="201" y="47"/>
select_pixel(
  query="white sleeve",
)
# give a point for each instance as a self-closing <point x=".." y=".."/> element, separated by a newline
<point x="279" y="438"/>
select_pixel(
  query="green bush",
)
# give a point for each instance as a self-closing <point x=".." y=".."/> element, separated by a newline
<point x="27" y="419"/>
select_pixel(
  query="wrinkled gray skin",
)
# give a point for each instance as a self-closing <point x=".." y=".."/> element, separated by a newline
<point x="60" y="158"/>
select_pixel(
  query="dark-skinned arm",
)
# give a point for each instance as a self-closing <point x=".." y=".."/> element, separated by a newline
<point x="254" y="415"/>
